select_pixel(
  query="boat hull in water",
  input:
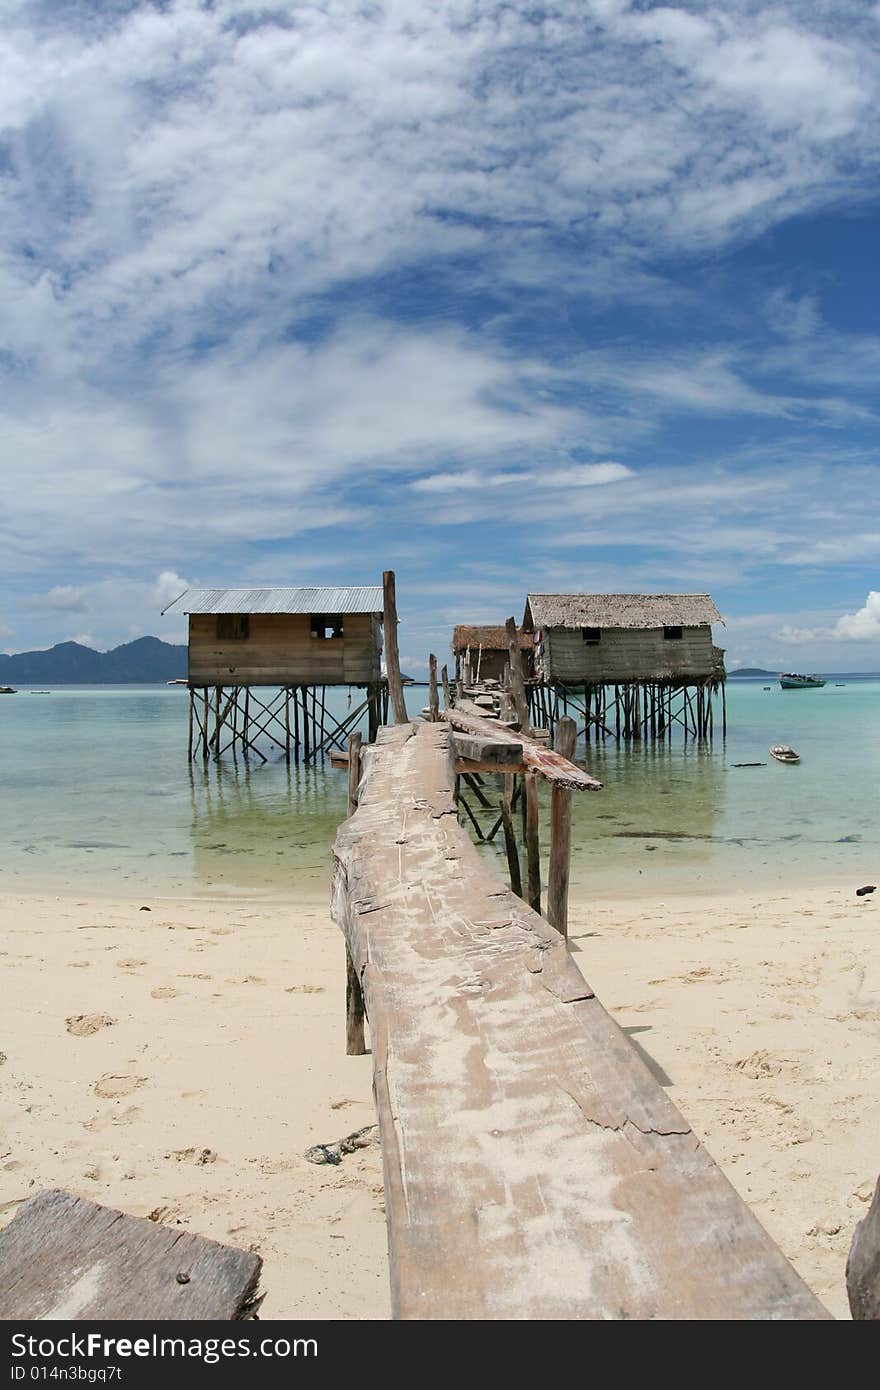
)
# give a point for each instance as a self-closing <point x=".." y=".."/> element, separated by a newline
<point x="784" y="754"/>
<point x="790" y="681"/>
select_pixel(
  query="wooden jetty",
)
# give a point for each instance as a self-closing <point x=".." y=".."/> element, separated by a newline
<point x="534" y="1168"/>
<point x="261" y="660"/>
<point x="627" y="666"/>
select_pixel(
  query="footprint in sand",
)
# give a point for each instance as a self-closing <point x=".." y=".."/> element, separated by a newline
<point x="86" y="1025"/>
<point x="193" y="1155"/>
<point x="166" y="1216"/>
<point x="123" y="1117"/>
<point x="164" y="992"/>
<point x="272" y="1166"/>
<point x="130" y="964"/>
<point x="304" y="989"/>
<point x="247" y="980"/>
<point x="111" y="1086"/>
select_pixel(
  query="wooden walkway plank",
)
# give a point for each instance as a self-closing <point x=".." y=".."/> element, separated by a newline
<point x="63" y="1258"/>
<point x="539" y="759"/>
<point x="534" y="1168"/>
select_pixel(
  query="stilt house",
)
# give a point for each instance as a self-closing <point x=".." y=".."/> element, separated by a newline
<point x="283" y="637"/>
<point x="618" y="638"/>
<point x="294" y="641"/>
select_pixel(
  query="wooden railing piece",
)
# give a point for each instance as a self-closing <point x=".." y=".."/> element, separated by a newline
<point x="534" y="1168"/>
<point x="539" y="759"/>
<point x="500" y="753"/>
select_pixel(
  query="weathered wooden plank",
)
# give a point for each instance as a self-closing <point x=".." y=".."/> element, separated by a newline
<point x="863" y="1265"/>
<point x="534" y="1168"/>
<point x="66" y="1259"/>
<point x="501" y="753"/>
<point x="544" y="760"/>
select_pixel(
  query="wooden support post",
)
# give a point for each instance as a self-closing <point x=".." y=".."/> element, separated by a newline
<point x="510" y="838"/>
<point x="374" y="717"/>
<point x="447" y="694"/>
<point x="560" y="833"/>
<point x="287" y="724"/>
<point x="206" y="710"/>
<point x="433" y="697"/>
<point x="392" y="654"/>
<point x="354" y="771"/>
<point x="190" y="744"/>
<point x="533" y="849"/>
<point x="355" y="1044"/>
<point x="724" y="709"/>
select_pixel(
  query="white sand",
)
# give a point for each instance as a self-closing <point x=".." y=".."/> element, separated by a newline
<point x="761" y="1014"/>
<point x="228" y="1034"/>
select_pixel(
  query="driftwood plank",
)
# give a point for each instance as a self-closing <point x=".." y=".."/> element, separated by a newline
<point x="863" y="1265"/>
<point x="533" y="1166"/>
<point x="539" y="759"/>
<point x="66" y="1259"/>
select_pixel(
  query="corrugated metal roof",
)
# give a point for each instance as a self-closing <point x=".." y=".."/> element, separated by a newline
<point x="363" y="599"/>
<point x="492" y="639"/>
<point x="622" y="610"/>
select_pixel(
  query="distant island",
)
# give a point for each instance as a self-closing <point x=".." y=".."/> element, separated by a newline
<point x="751" y="671"/>
<point x="146" y="661"/>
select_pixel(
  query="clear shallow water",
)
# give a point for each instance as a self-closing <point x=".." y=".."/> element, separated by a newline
<point x="98" y="795"/>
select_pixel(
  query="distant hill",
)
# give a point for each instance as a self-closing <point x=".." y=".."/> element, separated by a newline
<point x="750" y="671"/>
<point x="145" y="661"/>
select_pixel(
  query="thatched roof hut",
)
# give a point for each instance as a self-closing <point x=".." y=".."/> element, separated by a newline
<point x="487" y="647"/>
<point x="615" y="638"/>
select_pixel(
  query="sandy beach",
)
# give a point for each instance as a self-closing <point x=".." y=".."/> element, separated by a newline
<point x="178" y="1062"/>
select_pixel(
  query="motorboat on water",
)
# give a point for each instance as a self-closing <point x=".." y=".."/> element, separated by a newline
<point x="790" y="680"/>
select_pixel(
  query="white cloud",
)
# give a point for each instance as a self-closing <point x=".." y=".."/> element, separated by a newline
<point x="863" y="625"/>
<point x="63" y="598"/>
<point x="574" y="475"/>
<point x="169" y="586"/>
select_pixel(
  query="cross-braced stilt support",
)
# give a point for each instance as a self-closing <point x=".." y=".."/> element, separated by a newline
<point x="294" y="719"/>
<point x="633" y="712"/>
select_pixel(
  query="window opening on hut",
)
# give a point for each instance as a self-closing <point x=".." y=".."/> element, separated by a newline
<point x="233" y="627"/>
<point x="591" y="635"/>
<point x="326" y="626"/>
<point x="673" y="634"/>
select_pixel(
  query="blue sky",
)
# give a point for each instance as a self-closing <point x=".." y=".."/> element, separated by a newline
<point x="580" y="296"/>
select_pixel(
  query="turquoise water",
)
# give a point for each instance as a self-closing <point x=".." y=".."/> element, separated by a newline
<point x="98" y="795"/>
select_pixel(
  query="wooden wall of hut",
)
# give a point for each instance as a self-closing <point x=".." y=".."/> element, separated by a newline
<point x="621" y="655"/>
<point x="283" y="649"/>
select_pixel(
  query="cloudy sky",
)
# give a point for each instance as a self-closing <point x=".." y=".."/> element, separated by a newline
<point x="579" y="296"/>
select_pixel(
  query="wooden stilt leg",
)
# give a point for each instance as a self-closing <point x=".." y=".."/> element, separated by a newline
<point x="560" y="835"/>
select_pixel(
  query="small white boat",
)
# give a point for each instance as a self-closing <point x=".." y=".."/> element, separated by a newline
<point x="783" y="754"/>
